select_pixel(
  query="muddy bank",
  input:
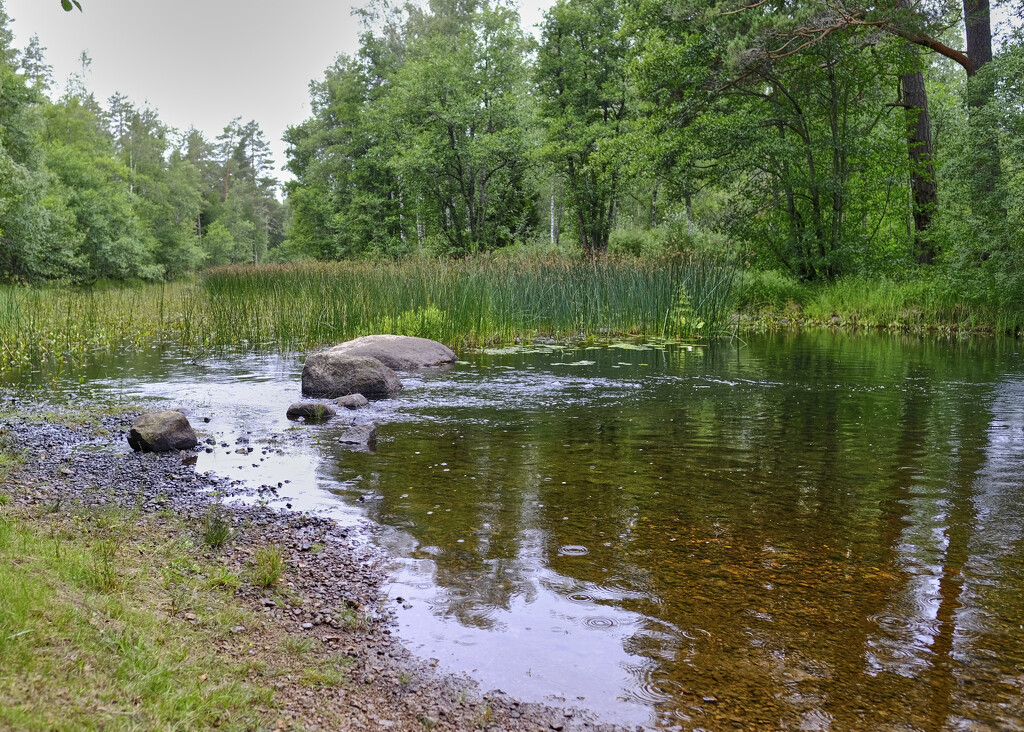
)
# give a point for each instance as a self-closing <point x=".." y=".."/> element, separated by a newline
<point x="331" y="591"/>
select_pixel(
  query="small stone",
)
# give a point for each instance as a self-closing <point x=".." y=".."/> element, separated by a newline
<point x="352" y="401"/>
<point x="307" y="626"/>
<point x="238" y="629"/>
<point x="363" y="434"/>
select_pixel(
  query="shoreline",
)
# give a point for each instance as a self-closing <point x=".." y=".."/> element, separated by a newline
<point x="332" y="582"/>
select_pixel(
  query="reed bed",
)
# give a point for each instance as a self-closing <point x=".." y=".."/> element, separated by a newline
<point x="68" y="326"/>
<point x="469" y="302"/>
<point x="475" y="301"/>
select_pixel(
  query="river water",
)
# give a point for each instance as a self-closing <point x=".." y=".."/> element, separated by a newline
<point x="807" y="531"/>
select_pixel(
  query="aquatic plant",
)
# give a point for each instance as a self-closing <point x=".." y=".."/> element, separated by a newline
<point x="475" y="301"/>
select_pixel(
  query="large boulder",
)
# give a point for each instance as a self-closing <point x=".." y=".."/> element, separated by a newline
<point x="162" y="432"/>
<point x="401" y="353"/>
<point x="332" y="374"/>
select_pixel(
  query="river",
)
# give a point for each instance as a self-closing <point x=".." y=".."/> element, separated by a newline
<point x="800" y="531"/>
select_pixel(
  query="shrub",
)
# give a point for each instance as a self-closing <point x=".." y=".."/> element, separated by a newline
<point x="770" y="291"/>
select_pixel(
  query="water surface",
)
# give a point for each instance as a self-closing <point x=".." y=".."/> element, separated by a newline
<point x="816" y="531"/>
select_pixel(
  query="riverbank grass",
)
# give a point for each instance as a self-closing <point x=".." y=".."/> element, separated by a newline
<point x="111" y="620"/>
<point x="916" y="305"/>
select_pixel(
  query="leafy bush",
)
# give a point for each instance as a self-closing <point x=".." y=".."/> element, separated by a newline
<point x="770" y="291"/>
<point x="637" y="242"/>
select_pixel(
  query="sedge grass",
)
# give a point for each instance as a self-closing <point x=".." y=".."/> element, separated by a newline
<point x="474" y="301"/>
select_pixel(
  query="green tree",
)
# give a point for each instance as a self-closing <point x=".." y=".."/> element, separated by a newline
<point x="37" y="236"/>
<point x="455" y="119"/>
<point x="582" y="87"/>
<point x="801" y="132"/>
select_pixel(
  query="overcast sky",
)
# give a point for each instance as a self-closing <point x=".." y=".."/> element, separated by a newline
<point x="202" y="62"/>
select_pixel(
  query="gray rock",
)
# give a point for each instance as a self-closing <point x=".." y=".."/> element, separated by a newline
<point x="352" y="401"/>
<point x="162" y="432"/>
<point x="359" y="434"/>
<point x="330" y="374"/>
<point x="401" y="353"/>
<point x="312" y="411"/>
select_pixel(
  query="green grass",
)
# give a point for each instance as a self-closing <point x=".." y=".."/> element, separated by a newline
<point x="88" y="639"/>
<point x="474" y="301"/>
<point x="916" y="305"/>
<point x="268" y="565"/>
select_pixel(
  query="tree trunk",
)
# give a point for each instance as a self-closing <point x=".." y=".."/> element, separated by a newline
<point x="980" y="90"/>
<point x="923" y="186"/>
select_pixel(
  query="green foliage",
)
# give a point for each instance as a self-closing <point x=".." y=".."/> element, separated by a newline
<point x="89" y="194"/>
<point x="636" y="242"/>
<point x="770" y="291"/>
<point x="426" y="322"/>
<point x="636" y="127"/>
<point x="581" y="80"/>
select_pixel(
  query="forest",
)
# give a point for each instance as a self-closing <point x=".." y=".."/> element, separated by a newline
<point x="813" y="142"/>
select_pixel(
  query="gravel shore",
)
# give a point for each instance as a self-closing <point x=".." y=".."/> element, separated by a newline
<point x="334" y="580"/>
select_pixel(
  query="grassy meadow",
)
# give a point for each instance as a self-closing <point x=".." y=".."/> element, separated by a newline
<point x="474" y="301"/>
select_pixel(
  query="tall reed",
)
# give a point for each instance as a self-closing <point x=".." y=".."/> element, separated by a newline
<point x="474" y="301"/>
<point x="66" y="325"/>
<point x="467" y="302"/>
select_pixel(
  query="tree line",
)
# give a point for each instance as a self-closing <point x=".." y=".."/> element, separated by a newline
<point x="94" y="191"/>
<point x="821" y="138"/>
<point x="824" y="137"/>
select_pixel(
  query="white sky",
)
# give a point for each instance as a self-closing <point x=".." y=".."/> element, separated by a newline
<point x="202" y="62"/>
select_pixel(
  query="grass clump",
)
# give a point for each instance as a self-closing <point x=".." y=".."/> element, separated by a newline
<point x="216" y="528"/>
<point x="268" y="565"/>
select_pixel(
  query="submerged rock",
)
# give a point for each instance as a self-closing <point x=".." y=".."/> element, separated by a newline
<point x="359" y="434"/>
<point x="162" y="432"/>
<point x="401" y="353"/>
<point x="312" y="411"/>
<point x="331" y="374"/>
<point x="352" y="401"/>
